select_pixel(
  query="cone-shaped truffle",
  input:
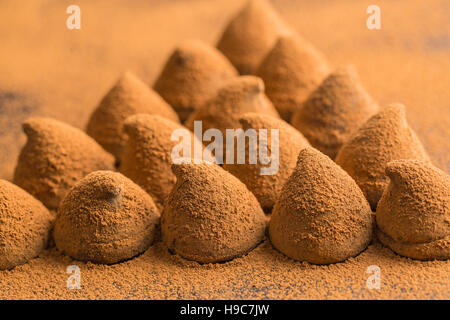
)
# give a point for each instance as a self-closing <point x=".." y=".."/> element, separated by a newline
<point x="127" y="97"/>
<point x="147" y="158"/>
<point x="55" y="157"/>
<point x="383" y="138"/>
<point x="334" y="111"/>
<point x="250" y="35"/>
<point x="210" y="216"/>
<point x="192" y="74"/>
<point x="25" y="226"/>
<point x="413" y="215"/>
<point x="321" y="216"/>
<point x="238" y="96"/>
<point x="291" y="71"/>
<point x="105" y="218"/>
<point x="285" y="150"/>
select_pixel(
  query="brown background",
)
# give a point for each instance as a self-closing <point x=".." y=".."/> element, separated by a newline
<point x="46" y="69"/>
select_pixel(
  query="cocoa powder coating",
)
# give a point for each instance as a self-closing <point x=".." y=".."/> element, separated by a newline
<point x="384" y="138"/>
<point x="321" y="216"/>
<point x="413" y="215"/>
<point x="25" y="226"/>
<point x="147" y="158"/>
<point x="237" y="96"/>
<point x="127" y="97"/>
<point x="291" y="71"/>
<point x="105" y="218"/>
<point x="267" y="188"/>
<point x="55" y="157"/>
<point x="250" y="35"/>
<point x="334" y="111"/>
<point x="210" y="216"/>
<point x="191" y="75"/>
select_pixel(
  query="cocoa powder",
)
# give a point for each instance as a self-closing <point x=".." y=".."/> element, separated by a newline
<point x="385" y="137"/>
<point x="55" y="157"/>
<point x="250" y="35"/>
<point x="127" y="97"/>
<point x="413" y="214"/>
<point x="191" y="75"/>
<point x="291" y="71"/>
<point x="105" y="218"/>
<point x="321" y="215"/>
<point x="334" y="111"/>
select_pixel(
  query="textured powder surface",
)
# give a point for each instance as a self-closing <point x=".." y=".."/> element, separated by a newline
<point x="321" y="216"/>
<point x="334" y="111"/>
<point x="413" y="214"/>
<point x="147" y="158"/>
<point x="236" y="97"/>
<point x="105" y="218"/>
<point x="127" y="97"/>
<point x="250" y="35"/>
<point x="210" y="216"/>
<point x="267" y="188"/>
<point x="191" y="75"/>
<point x="55" y="157"/>
<point x="25" y="226"/>
<point x="291" y="71"/>
<point x="69" y="71"/>
<point x="383" y="138"/>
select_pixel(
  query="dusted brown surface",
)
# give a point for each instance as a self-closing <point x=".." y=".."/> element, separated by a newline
<point x="383" y="138"/>
<point x="413" y="215"/>
<point x="210" y="215"/>
<point x="105" y="218"/>
<point x="321" y="215"/>
<point x="127" y="97"/>
<point x="49" y="70"/>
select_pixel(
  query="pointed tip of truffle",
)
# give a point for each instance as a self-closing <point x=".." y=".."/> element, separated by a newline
<point x="251" y="34"/>
<point x="413" y="213"/>
<point x="334" y="111"/>
<point x="250" y="84"/>
<point x="38" y="125"/>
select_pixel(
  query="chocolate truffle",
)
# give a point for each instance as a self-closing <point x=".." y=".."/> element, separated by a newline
<point x="413" y="215"/>
<point x="321" y="216"/>
<point x="250" y="35"/>
<point x="237" y="96"/>
<point x="25" y="226"/>
<point x="191" y="75"/>
<point x="210" y="216"/>
<point x="147" y="158"/>
<point x="127" y="97"/>
<point x="267" y="187"/>
<point x="383" y="138"/>
<point x="105" y="218"/>
<point x="291" y="71"/>
<point x="55" y="157"/>
<point x="334" y="111"/>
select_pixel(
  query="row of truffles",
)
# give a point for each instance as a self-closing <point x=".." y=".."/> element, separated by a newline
<point x="321" y="209"/>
